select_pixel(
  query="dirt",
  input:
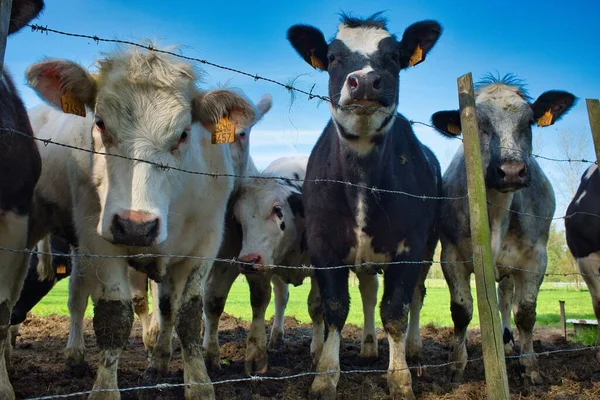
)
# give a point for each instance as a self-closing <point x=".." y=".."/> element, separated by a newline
<point x="38" y="368"/>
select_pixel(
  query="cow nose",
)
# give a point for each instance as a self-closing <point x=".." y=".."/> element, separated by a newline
<point x="365" y="86"/>
<point x="134" y="228"/>
<point x="252" y="258"/>
<point x="513" y="172"/>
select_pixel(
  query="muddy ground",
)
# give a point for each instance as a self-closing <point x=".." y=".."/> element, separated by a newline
<point x="38" y="369"/>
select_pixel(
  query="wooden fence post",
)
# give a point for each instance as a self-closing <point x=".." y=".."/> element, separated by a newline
<point x="593" y="107"/>
<point x="483" y="263"/>
<point x="5" y="7"/>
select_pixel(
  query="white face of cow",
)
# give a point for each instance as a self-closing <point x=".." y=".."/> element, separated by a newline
<point x="363" y="62"/>
<point x="146" y="107"/>
<point x="272" y="219"/>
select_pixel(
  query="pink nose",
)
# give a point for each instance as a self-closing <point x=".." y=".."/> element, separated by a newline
<point x="252" y="259"/>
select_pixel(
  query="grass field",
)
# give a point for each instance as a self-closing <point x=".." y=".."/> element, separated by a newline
<point x="435" y="311"/>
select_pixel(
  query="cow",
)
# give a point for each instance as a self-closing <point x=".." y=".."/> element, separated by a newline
<point x="150" y="181"/>
<point x="582" y="230"/>
<point x="521" y="204"/>
<point x="20" y="168"/>
<point x="271" y="217"/>
<point x="367" y="220"/>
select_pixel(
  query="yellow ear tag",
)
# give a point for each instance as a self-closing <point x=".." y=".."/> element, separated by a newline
<point x="545" y="119"/>
<point x="61" y="269"/>
<point x="224" y="132"/>
<point x="71" y="105"/>
<point x="314" y="60"/>
<point x="453" y="129"/>
<point x="417" y="57"/>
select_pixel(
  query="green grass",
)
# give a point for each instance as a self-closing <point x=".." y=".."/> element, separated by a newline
<point x="435" y="311"/>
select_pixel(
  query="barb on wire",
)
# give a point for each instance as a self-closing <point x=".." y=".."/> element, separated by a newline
<point x="166" y="167"/>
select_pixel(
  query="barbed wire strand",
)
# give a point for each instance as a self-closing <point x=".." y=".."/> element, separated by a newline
<point x="255" y="378"/>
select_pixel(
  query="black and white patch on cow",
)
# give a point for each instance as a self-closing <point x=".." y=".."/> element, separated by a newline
<point x="346" y="224"/>
<point x="582" y="229"/>
<point x="20" y="168"/>
<point x="515" y="187"/>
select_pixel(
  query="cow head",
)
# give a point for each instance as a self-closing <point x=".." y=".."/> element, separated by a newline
<point x="240" y="148"/>
<point x="272" y="218"/>
<point x="364" y="61"/>
<point x="505" y="116"/>
<point x="145" y="106"/>
<point x="22" y="12"/>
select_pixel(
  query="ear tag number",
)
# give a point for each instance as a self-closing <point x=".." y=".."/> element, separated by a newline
<point x="545" y="119"/>
<point x="71" y="105"/>
<point x="224" y="132"/>
<point x="417" y="57"/>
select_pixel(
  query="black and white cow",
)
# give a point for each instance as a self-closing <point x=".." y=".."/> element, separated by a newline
<point x="368" y="144"/>
<point x="582" y="229"/>
<point x="515" y="186"/>
<point x="20" y="168"/>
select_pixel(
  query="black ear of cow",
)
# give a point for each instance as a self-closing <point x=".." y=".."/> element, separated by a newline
<point x="295" y="202"/>
<point x="551" y="106"/>
<point x="447" y="122"/>
<point x="22" y="12"/>
<point x="417" y="40"/>
<point x="310" y="43"/>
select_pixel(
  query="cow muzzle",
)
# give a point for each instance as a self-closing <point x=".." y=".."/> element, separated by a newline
<point x="135" y="228"/>
<point x="510" y="176"/>
<point x="253" y="264"/>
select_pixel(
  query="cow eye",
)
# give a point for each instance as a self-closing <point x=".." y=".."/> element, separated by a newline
<point x="100" y="124"/>
<point x="243" y="134"/>
<point x="332" y="58"/>
<point x="277" y="210"/>
<point x="183" y="137"/>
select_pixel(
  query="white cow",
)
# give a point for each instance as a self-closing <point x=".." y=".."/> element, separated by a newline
<point x="142" y="105"/>
<point x="271" y="217"/>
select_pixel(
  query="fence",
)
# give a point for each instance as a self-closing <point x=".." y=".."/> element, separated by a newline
<point x="494" y="358"/>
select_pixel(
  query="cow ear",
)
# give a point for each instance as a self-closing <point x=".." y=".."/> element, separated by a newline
<point x="310" y="43"/>
<point x="295" y="202"/>
<point x="551" y="106"/>
<point x="447" y="122"/>
<point x="417" y="40"/>
<point x="22" y="12"/>
<point x="210" y="108"/>
<point x="64" y="84"/>
<point x="264" y="104"/>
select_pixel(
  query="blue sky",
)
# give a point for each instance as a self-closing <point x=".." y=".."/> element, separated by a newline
<point x="550" y="44"/>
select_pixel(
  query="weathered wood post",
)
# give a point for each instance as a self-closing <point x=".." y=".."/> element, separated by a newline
<point x="563" y="318"/>
<point x="593" y="107"/>
<point x="5" y="7"/>
<point x="483" y="263"/>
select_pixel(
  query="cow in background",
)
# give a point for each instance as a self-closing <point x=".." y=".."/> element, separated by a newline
<point x="521" y="204"/>
<point x="582" y="229"/>
<point x="20" y="168"/>
<point x="141" y="105"/>
<point x="368" y="144"/>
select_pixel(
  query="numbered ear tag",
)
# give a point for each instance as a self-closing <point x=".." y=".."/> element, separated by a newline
<point x="417" y="57"/>
<point x="314" y="60"/>
<point x="61" y="269"/>
<point x="71" y="105"/>
<point x="545" y="119"/>
<point x="224" y="132"/>
<point x="453" y="129"/>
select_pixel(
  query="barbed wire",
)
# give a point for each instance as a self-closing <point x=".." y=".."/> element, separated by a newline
<point x="257" y="378"/>
<point x="545" y="217"/>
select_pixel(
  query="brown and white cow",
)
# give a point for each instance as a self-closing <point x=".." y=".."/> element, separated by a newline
<point x="517" y="191"/>
<point x="142" y="105"/>
<point x="20" y="168"/>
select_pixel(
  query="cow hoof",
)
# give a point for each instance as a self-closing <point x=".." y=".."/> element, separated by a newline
<point x="212" y="358"/>
<point x="534" y="378"/>
<point x="509" y="349"/>
<point x="74" y="357"/>
<point x="258" y="367"/>
<point x="105" y="395"/>
<point x="368" y="352"/>
<point x="456" y="376"/>
<point x="276" y="341"/>
<point x="322" y="391"/>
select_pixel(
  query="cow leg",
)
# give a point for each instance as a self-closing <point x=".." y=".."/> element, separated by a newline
<point x="333" y="285"/>
<point x="399" y="284"/>
<point x="413" y="339"/>
<point x="139" y="292"/>
<point x="113" y="317"/>
<point x="79" y="291"/>
<point x="590" y="268"/>
<point x="218" y="284"/>
<point x="282" y="295"/>
<point x="505" y="299"/>
<point x="13" y="266"/>
<point x="187" y="280"/>
<point x="461" y="307"/>
<point x="256" y="342"/>
<point x="368" y="285"/>
<point x="169" y="292"/>
<point x="315" y="310"/>
<point x="527" y="286"/>
<point x="152" y="336"/>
